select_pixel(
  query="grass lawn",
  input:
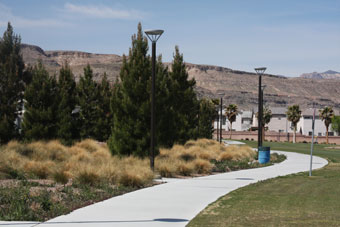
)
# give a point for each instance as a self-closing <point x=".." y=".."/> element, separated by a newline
<point x="295" y="200"/>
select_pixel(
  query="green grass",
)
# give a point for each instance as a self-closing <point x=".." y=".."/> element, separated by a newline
<point x="295" y="200"/>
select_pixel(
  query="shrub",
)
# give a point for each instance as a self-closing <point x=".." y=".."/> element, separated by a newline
<point x="202" y="166"/>
<point x="185" y="168"/>
<point x="89" y="145"/>
<point x="39" y="169"/>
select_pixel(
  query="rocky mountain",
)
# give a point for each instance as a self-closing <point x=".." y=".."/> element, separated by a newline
<point x="325" y="75"/>
<point x="239" y="87"/>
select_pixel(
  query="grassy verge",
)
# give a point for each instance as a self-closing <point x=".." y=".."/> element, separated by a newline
<point x="295" y="200"/>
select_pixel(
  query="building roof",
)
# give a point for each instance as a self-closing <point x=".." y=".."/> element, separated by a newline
<point x="278" y="110"/>
<point x="247" y="114"/>
<point x="309" y="112"/>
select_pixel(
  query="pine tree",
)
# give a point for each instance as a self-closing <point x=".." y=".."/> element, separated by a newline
<point x="11" y="84"/>
<point x="67" y="124"/>
<point x="88" y="99"/>
<point x="131" y="102"/>
<point x="41" y="98"/>
<point x="207" y="114"/>
<point x="103" y="124"/>
<point x="184" y="101"/>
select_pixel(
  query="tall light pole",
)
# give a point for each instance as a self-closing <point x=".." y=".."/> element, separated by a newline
<point x="260" y="72"/>
<point x="221" y="94"/>
<point x="262" y="126"/>
<point x="153" y="35"/>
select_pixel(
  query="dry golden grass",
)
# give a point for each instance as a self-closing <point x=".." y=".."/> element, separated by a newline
<point x="195" y="157"/>
<point x="87" y="162"/>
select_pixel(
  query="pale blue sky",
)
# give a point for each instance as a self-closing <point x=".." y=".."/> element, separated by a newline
<point x="289" y="37"/>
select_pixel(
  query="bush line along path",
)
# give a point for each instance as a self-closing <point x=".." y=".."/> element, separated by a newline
<point x="179" y="200"/>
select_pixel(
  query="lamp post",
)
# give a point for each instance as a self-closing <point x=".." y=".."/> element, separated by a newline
<point x="260" y="72"/>
<point x="262" y="126"/>
<point x="153" y="35"/>
<point x="221" y="94"/>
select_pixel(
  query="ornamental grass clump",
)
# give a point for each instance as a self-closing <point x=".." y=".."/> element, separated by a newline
<point x="86" y="162"/>
<point x="199" y="157"/>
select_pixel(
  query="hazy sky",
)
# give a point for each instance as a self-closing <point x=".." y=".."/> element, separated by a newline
<point x="289" y="37"/>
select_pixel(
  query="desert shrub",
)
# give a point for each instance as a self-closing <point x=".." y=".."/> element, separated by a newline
<point x="89" y="145"/>
<point x="202" y="166"/>
<point x="61" y="176"/>
<point x="185" y="168"/>
<point x="135" y="176"/>
<point x="166" y="167"/>
<point x="187" y="156"/>
<point x="84" y="174"/>
<point x="39" y="169"/>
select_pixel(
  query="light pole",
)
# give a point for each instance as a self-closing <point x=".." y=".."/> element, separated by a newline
<point x="262" y="103"/>
<point x="153" y="35"/>
<point x="260" y="72"/>
<point x="221" y="94"/>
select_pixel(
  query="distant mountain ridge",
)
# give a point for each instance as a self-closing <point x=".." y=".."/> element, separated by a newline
<point x="238" y="86"/>
<point x="330" y="74"/>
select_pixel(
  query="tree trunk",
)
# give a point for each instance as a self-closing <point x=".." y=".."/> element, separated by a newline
<point x="326" y="135"/>
<point x="294" y="135"/>
<point x="231" y="129"/>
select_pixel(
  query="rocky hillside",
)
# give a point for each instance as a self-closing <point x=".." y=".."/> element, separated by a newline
<point x="325" y="75"/>
<point x="239" y="87"/>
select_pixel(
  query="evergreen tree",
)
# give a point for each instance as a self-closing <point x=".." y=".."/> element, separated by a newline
<point x="184" y="101"/>
<point x="336" y="124"/>
<point x="131" y="102"/>
<point x="207" y="114"/>
<point x="165" y="113"/>
<point x="88" y="99"/>
<point x="41" y="98"/>
<point x="67" y="124"/>
<point x="103" y="125"/>
<point x="11" y="84"/>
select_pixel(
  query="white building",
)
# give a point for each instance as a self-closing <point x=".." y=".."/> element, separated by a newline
<point x="244" y="120"/>
<point x="305" y="124"/>
<point x="279" y="121"/>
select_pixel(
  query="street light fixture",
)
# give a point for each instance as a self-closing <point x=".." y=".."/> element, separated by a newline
<point x="221" y="94"/>
<point x="153" y="35"/>
<point x="260" y="72"/>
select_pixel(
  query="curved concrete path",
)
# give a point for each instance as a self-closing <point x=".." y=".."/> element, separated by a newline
<point x="178" y="201"/>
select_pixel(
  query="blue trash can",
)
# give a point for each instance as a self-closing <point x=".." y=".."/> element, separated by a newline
<point x="264" y="155"/>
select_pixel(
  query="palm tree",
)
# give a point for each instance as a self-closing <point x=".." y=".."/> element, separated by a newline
<point x="326" y="115"/>
<point x="294" y="115"/>
<point x="231" y="113"/>
<point x="267" y="116"/>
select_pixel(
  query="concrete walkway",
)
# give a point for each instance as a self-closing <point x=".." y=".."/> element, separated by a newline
<point x="176" y="202"/>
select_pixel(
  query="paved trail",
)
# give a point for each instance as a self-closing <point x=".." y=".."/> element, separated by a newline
<point x="176" y="202"/>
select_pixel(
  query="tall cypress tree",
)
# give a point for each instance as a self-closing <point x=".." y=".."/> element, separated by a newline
<point x="131" y="101"/>
<point x="41" y="96"/>
<point x="11" y="84"/>
<point x="67" y="124"/>
<point x="88" y="99"/>
<point x="184" y="101"/>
